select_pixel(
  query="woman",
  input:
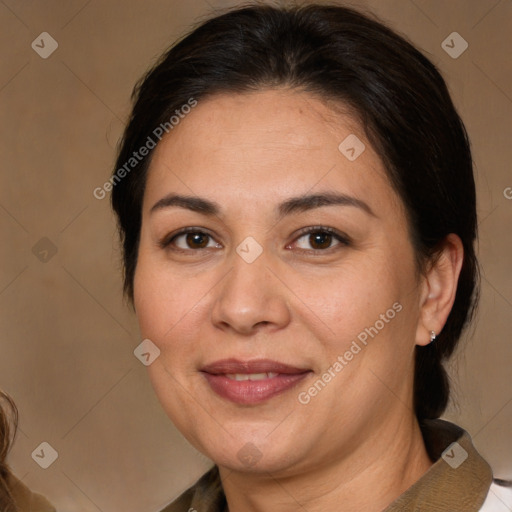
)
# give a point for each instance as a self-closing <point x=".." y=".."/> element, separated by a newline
<point x="295" y="196"/>
<point x="14" y="495"/>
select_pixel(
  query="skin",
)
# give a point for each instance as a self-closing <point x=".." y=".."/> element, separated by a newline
<point x="356" y="444"/>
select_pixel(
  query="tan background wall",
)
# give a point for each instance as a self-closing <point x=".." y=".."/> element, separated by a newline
<point x="67" y="339"/>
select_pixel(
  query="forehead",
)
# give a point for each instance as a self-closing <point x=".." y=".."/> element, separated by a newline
<point x="264" y="146"/>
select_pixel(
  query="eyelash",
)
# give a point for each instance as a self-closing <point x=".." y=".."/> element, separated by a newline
<point x="343" y="239"/>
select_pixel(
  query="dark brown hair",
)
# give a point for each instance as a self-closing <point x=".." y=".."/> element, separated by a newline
<point x="340" y="55"/>
<point x="8" y="423"/>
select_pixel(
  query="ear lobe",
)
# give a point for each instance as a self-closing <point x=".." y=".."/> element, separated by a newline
<point x="439" y="288"/>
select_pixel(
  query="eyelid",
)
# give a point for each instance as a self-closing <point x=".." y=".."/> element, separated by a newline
<point x="338" y="235"/>
<point x="168" y="239"/>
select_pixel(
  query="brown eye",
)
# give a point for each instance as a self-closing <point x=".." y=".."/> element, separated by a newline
<point x="197" y="240"/>
<point x="191" y="240"/>
<point x="320" y="240"/>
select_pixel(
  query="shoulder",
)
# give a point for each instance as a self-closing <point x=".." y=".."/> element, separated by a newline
<point x="25" y="499"/>
<point x="499" y="498"/>
<point x="205" y="495"/>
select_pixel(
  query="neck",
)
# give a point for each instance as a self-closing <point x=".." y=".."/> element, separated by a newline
<point x="369" y="479"/>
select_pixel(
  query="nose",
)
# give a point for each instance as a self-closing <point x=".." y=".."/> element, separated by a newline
<point x="250" y="299"/>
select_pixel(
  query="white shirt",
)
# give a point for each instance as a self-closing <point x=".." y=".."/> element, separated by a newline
<point x="499" y="499"/>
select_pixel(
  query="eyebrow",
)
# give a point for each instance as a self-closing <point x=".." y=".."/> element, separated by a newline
<point x="311" y="201"/>
<point x="292" y="205"/>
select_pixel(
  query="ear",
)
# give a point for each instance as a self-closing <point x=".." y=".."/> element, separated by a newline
<point x="439" y="288"/>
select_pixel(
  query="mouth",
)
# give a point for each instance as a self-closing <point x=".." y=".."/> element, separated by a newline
<point x="252" y="382"/>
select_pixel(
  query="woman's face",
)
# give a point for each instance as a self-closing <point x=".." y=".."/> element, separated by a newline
<point x="277" y="277"/>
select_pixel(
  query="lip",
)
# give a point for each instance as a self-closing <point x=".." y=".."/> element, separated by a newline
<point x="249" y="392"/>
<point x="232" y="365"/>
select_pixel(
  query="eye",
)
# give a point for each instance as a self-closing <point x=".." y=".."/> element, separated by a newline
<point x="187" y="240"/>
<point x="320" y="239"/>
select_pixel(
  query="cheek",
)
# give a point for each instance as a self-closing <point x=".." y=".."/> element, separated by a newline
<point x="168" y="310"/>
<point x="346" y="299"/>
<point x="161" y="299"/>
<point x="366" y="312"/>
<point x="172" y="310"/>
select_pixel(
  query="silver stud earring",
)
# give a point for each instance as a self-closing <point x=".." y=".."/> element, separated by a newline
<point x="433" y="336"/>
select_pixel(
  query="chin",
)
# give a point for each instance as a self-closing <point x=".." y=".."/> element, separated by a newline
<point x="252" y="454"/>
